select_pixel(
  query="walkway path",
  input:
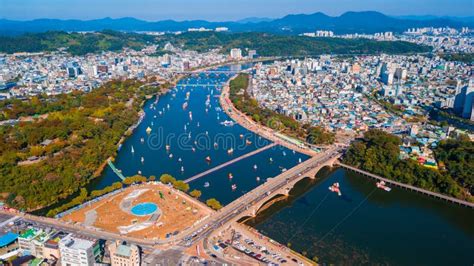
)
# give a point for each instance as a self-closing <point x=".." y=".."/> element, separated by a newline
<point x="229" y="162"/>
<point x="420" y="190"/>
<point x="116" y="171"/>
<point x="251" y="125"/>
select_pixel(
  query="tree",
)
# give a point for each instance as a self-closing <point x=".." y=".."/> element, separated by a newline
<point x="134" y="179"/>
<point x="195" y="193"/>
<point x="152" y="178"/>
<point x="180" y="185"/>
<point x="167" y="179"/>
<point x="214" y="204"/>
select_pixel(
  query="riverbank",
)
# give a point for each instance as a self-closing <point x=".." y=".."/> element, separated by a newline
<point x="255" y="127"/>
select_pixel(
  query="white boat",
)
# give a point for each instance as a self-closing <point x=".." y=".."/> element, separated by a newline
<point x="182" y="169"/>
<point x="142" y="140"/>
<point x="133" y="150"/>
<point x="335" y="188"/>
<point x="230" y="151"/>
<point x="254" y="167"/>
<point x="198" y="125"/>
<point x="193" y="149"/>
<point x="142" y="159"/>
<point x="167" y="147"/>
<point x="234" y="187"/>
<point x="190" y="115"/>
<point x="271" y="160"/>
<point x="171" y="155"/>
<point x="206" y="184"/>
<point x="148" y="130"/>
<point x="299" y="160"/>
<point x="231" y="176"/>
<point x="258" y="179"/>
<point x="227" y="123"/>
<point x="284" y="153"/>
<point x="179" y="159"/>
<point x="382" y="185"/>
<point x="168" y="106"/>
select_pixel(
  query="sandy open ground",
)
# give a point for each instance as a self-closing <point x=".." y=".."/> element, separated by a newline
<point x="178" y="212"/>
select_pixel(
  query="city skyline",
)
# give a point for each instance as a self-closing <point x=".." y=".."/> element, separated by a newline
<point x="213" y="10"/>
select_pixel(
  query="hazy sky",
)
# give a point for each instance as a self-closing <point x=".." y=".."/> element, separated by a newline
<point x="218" y="10"/>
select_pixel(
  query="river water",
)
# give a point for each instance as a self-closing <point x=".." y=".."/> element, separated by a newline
<point x="367" y="225"/>
<point x="364" y="226"/>
<point x="172" y="125"/>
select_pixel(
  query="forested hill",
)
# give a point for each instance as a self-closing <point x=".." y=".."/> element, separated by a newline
<point x="284" y="45"/>
<point x="265" y="44"/>
<point x="378" y="152"/>
<point x="75" y="43"/>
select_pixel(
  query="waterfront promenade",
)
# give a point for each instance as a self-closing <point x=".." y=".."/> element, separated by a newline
<point x="258" y="129"/>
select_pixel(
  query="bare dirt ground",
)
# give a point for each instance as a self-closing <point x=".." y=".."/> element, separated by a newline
<point x="178" y="212"/>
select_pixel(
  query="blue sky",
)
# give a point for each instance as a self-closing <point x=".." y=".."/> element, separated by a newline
<point x="218" y="10"/>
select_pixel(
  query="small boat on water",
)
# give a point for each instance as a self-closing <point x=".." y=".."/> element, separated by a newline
<point x="216" y="145"/>
<point x="206" y="184"/>
<point x="168" y="106"/>
<point x="133" y="150"/>
<point x="271" y="160"/>
<point x="230" y="151"/>
<point x="154" y="116"/>
<point x="254" y="167"/>
<point x="283" y="170"/>
<point x="382" y="185"/>
<point x="335" y="188"/>
<point x="247" y="142"/>
<point x="185" y="105"/>
<point x="231" y="176"/>
<point x="139" y="172"/>
<point x="208" y="159"/>
<point x="182" y="169"/>
<point x="148" y="130"/>
<point x="179" y="159"/>
<point x="207" y="133"/>
<point x="142" y="159"/>
<point x="142" y="140"/>
<point x="198" y="125"/>
<point x="241" y="136"/>
<point x="190" y="115"/>
<point x="284" y="153"/>
<point x="258" y="179"/>
<point x="227" y="123"/>
<point x="234" y="186"/>
<point x="171" y="156"/>
<point x="193" y="149"/>
<point x="167" y="147"/>
<point x="160" y="112"/>
<point x="299" y="160"/>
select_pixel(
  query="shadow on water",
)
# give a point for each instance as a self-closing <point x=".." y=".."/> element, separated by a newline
<point x="296" y="194"/>
<point x="368" y="225"/>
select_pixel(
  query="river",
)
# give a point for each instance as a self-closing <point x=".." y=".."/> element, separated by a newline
<point x="368" y="225"/>
<point x="173" y="125"/>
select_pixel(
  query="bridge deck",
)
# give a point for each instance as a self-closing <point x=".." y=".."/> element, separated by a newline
<point x="229" y="162"/>
<point x="395" y="183"/>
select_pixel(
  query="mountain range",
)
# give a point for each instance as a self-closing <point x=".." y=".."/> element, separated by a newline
<point x="349" y="22"/>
